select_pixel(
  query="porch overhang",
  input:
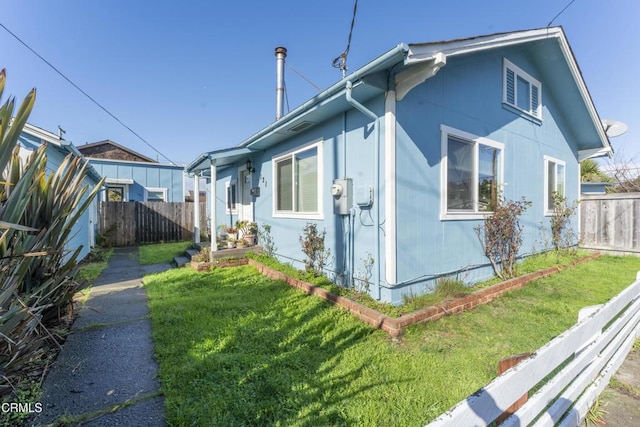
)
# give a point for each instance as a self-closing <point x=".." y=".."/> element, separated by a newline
<point x="220" y="158"/>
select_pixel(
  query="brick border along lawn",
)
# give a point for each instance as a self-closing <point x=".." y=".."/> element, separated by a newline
<point x="395" y="326"/>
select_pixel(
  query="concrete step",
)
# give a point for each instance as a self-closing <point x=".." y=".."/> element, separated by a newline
<point x="181" y="260"/>
<point x="191" y="252"/>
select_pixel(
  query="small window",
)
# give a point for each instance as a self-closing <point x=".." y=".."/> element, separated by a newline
<point x="297" y="183"/>
<point x="231" y="196"/>
<point x="115" y="194"/>
<point x="471" y="174"/>
<point x="521" y="91"/>
<point x="554" y="177"/>
<point x="156" y="194"/>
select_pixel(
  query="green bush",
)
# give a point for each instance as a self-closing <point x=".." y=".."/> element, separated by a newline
<point x="38" y="209"/>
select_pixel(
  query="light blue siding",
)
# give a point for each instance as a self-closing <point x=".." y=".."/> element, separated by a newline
<point x="144" y="175"/>
<point x="467" y="95"/>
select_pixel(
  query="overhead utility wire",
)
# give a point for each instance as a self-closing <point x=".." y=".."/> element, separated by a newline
<point x="560" y="13"/>
<point x="341" y="61"/>
<point x="86" y="94"/>
<point x="305" y="79"/>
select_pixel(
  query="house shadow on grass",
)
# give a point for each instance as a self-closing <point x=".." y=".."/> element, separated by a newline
<point x="256" y="352"/>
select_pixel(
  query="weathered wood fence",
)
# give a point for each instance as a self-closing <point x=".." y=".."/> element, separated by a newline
<point x="571" y="371"/>
<point x="134" y="223"/>
<point x="610" y="222"/>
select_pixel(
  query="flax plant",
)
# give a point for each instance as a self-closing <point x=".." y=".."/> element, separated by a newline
<point x="38" y="210"/>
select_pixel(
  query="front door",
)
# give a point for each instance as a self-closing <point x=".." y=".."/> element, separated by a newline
<point x="246" y="205"/>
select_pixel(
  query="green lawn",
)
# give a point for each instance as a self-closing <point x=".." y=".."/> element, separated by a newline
<point x="236" y="348"/>
<point x="162" y="253"/>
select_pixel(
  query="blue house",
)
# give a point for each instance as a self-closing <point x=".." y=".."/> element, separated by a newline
<point x="401" y="159"/>
<point x="133" y="177"/>
<point x="32" y="137"/>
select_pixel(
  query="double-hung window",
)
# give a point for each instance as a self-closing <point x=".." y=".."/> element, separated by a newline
<point x="297" y="183"/>
<point x="521" y="91"/>
<point x="471" y="174"/>
<point x="554" y="180"/>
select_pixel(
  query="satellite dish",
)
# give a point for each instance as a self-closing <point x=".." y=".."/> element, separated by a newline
<point x="614" y="128"/>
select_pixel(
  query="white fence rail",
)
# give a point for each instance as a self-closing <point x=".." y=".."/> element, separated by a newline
<point x="585" y="357"/>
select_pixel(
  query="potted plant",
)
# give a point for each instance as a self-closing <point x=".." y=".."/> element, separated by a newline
<point x="231" y="243"/>
<point x="248" y="230"/>
<point x="232" y="232"/>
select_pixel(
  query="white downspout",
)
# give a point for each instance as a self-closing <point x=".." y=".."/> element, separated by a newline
<point x="196" y="209"/>
<point x="212" y="202"/>
<point x="390" y="242"/>
<point x="376" y="161"/>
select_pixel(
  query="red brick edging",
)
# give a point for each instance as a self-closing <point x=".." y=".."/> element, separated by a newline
<point x="395" y="326"/>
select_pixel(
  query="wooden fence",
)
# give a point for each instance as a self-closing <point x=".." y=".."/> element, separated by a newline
<point x="133" y="223"/>
<point x="610" y="222"/>
<point x="573" y="368"/>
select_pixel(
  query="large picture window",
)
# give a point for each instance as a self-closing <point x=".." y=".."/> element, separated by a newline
<point x="471" y="174"/>
<point x="554" y="178"/>
<point x="297" y="182"/>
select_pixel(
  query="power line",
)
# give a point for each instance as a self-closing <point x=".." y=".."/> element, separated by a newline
<point x="560" y="13"/>
<point x="341" y="61"/>
<point x="85" y="93"/>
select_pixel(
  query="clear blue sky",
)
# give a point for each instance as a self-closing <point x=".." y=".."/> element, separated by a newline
<point x="196" y="76"/>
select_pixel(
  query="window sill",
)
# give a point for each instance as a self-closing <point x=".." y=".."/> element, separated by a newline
<point x="522" y="113"/>
<point x="298" y="215"/>
<point x="448" y="216"/>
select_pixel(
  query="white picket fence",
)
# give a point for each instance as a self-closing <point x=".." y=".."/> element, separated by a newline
<point x="588" y="353"/>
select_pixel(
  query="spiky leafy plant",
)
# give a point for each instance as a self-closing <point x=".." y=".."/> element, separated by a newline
<point x="38" y="210"/>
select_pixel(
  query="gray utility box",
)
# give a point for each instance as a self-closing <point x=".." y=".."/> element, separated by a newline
<point x="342" y="192"/>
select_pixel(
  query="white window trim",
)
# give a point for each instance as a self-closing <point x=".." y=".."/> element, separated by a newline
<point x="125" y="191"/>
<point x="548" y="210"/>
<point x="226" y="197"/>
<point x="445" y="133"/>
<point x="519" y="72"/>
<point x="299" y="215"/>
<point x="159" y="189"/>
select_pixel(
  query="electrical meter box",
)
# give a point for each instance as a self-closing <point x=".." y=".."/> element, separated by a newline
<point x="342" y="192"/>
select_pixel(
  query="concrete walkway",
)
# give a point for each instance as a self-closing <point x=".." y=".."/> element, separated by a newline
<point x="621" y="399"/>
<point x="105" y="374"/>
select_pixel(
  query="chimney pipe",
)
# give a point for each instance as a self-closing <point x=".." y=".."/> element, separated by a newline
<point x="281" y="53"/>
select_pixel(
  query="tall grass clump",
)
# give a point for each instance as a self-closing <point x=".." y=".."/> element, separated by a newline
<point x="38" y="209"/>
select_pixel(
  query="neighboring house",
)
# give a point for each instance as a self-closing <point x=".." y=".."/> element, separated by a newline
<point x="587" y="188"/>
<point x="130" y="176"/>
<point x="402" y="159"/>
<point x="84" y="230"/>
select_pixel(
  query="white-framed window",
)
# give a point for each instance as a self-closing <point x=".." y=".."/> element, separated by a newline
<point x="472" y="171"/>
<point x="117" y="193"/>
<point x="521" y="91"/>
<point x="297" y="178"/>
<point x="155" y="194"/>
<point x="554" y="181"/>
<point x="231" y="196"/>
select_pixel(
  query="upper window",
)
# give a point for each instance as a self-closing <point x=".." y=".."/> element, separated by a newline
<point x="554" y="179"/>
<point x="231" y="196"/>
<point x="521" y="91"/>
<point x="471" y="174"/>
<point x="297" y="182"/>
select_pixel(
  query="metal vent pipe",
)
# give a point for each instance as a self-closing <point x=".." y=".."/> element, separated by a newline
<point x="281" y="53"/>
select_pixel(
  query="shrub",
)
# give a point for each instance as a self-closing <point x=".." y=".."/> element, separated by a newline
<point x="562" y="235"/>
<point x="501" y="236"/>
<point x="266" y="240"/>
<point x="312" y="244"/>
